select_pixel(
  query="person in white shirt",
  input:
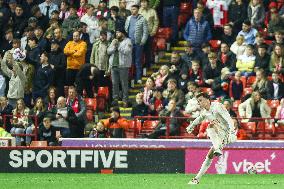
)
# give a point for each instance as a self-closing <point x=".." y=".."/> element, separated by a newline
<point x="221" y="130"/>
<point x="91" y="21"/>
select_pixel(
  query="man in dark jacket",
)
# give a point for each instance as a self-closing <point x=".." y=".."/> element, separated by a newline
<point x="262" y="58"/>
<point x="47" y="132"/>
<point x="57" y="61"/>
<point x="275" y="88"/>
<point x="212" y="70"/>
<point x="43" y="78"/>
<point x="43" y="21"/>
<point x="5" y="109"/>
<point x="33" y="52"/>
<point x="174" y="124"/>
<point x="227" y="57"/>
<point x="189" y="55"/>
<point x="19" y="22"/>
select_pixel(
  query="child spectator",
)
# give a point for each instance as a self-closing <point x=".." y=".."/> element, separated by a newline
<point x="182" y="82"/>
<point x="236" y="87"/>
<point x="246" y="62"/>
<point x="140" y="109"/>
<point x="195" y="73"/>
<point x="47" y="132"/>
<point x="161" y="77"/>
<point x="148" y="90"/>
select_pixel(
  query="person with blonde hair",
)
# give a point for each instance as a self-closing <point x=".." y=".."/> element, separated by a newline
<point x="161" y="76"/>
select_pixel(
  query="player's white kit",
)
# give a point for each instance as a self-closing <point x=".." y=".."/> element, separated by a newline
<point x="224" y="132"/>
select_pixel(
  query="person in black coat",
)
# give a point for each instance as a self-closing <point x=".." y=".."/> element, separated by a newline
<point x="85" y="79"/>
<point x="43" y="78"/>
<point x="140" y="109"/>
<point x="237" y="14"/>
<point x="20" y="22"/>
<point x="33" y="52"/>
<point x="5" y="109"/>
<point x="43" y="21"/>
<point x="227" y="57"/>
<point x="275" y="88"/>
<point x="228" y="35"/>
<point x="212" y="70"/>
<point x="262" y="58"/>
<point x="47" y="132"/>
<point x="57" y="61"/>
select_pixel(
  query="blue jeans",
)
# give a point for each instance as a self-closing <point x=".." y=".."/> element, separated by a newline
<point x="19" y="139"/>
<point x="170" y="19"/>
<point x="136" y="59"/>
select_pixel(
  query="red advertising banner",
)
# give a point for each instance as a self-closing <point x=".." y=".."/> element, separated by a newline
<point x="235" y="161"/>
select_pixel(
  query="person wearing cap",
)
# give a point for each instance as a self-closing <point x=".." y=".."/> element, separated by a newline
<point x="47" y="7"/>
<point x="75" y="51"/>
<point x="172" y="92"/>
<point x="12" y="6"/>
<point x="137" y="29"/>
<point x="57" y="61"/>
<point x="91" y="21"/>
<point x="248" y="32"/>
<point x="220" y="85"/>
<point x="7" y="42"/>
<point x="211" y="70"/>
<point x="197" y="30"/>
<point x="47" y="132"/>
<point x="120" y="52"/>
<point x="99" y="57"/>
<point x="116" y="124"/>
<point x="152" y="19"/>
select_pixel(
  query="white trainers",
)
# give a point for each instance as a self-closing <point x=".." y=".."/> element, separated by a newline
<point x="218" y="152"/>
<point x="193" y="181"/>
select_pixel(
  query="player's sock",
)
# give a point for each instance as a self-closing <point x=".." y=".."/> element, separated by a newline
<point x="214" y="138"/>
<point x="205" y="165"/>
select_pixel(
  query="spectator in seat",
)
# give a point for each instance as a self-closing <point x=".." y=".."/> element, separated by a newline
<point x="172" y="92"/>
<point x="220" y="85"/>
<point x="228" y="36"/>
<point x="262" y="59"/>
<point x="256" y="13"/>
<point x="236" y="87"/>
<point x="197" y="30"/>
<point x="259" y="39"/>
<point x="192" y="106"/>
<point x="260" y="83"/>
<point x="36" y="116"/>
<point x="239" y="46"/>
<point x="276" y="59"/>
<point x="177" y="66"/>
<point x="51" y="99"/>
<point x="64" y="10"/>
<point x="43" y="78"/>
<point x="147" y="91"/>
<point x="140" y="109"/>
<point x="279" y="116"/>
<point x="116" y="124"/>
<point x="63" y="118"/>
<point x="59" y="38"/>
<point x="195" y="73"/>
<point x="278" y="39"/>
<point x="182" y="82"/>
<point x="78" y="105"/>
<point x="161" y="77"/>
<point x="228" y="105"/>
<point x="98" y="131"/>
<point x="248" y="32"/>
<point x="205" y="50"/>
<point x="246" y="62"/>
<point x="20" y="121"/>
<point x="157" y="102"/>
<point x="137" y="29"/>
<point x="103" y="11"/>
<point x="254" y="107"/>
<point x="173" y="111"/>
<point x="275" y="87"/>
<point x="120" y="52"/>
<point x="212" y="70"/>
<point x="152" y="19"/>
<point x="227" y="57"/>
<point x="123" y="11"/>
<point x="5" y="110"/>
<point x="237" y="14"/>
<point x="189" y="55"/>
<point x="16" y="79"/>
<point x="75" y="51"/>
<point x="47" y="132"/>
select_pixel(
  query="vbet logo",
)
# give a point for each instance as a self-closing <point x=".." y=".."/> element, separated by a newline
<point x="238" y="161"/>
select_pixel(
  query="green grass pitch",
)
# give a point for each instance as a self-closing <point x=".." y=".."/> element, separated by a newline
<point x="136" y="181"/>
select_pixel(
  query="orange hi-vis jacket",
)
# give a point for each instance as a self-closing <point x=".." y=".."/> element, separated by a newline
<point x="76" y="54"/>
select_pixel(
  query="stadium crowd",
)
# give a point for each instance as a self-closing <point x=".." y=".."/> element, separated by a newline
<point x="56" y="53"/>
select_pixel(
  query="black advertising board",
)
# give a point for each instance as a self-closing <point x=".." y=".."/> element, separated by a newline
<point x="91" y="161"/>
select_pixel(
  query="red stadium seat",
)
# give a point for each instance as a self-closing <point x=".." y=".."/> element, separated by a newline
<point x="132" y="125"/>
<point x="164" y="33"/>
<point x="38" y="144"/>
<point x="207" y="90"/>
<point x="103" y="91"/>
<point x="247" y="91"/>
<point x="186" y="8"/>
<point x="91" y="103"/>
<point x="182" y="19"/>
<point x="149" y="126"/>
<point x="244" y="81"/>
<point x="250" y="128"/>
<point x="215" y="44"/>
<point x="273" y="104"/>
<point x="250" y="81"/>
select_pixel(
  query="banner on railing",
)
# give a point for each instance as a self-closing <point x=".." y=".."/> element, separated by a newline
<point x="91" y="161"/>
<point x="235" y="161"/>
